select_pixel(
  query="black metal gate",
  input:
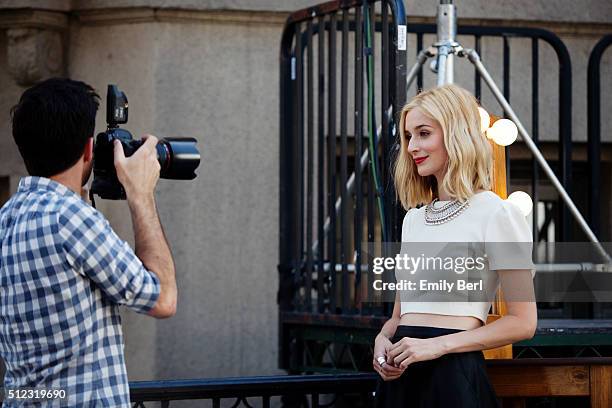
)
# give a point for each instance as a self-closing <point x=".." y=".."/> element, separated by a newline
<point x="329" y="60"/>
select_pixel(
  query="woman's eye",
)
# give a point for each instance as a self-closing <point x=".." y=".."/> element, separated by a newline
<point x="424" y="134"/>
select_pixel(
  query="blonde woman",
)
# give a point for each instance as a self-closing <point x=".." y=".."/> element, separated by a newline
<point x="429" y="354"/>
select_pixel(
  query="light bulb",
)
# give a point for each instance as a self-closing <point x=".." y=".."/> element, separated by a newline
<point x="485" y="119"/>
<point x="503" y="132"/>
<point x="522" y="200"/>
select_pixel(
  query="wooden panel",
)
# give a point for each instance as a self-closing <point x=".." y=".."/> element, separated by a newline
<point x="503" y="352"/>
<point x="551" y="362"/>
<point x="540" y="381"/>
<point x="601" y="386"/>
<point x="499" y="170"/>
<point x="499" y="352"/>
<point x="498" y="306"/>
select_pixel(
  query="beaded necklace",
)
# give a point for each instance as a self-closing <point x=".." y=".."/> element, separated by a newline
<point x="436" y="216"/>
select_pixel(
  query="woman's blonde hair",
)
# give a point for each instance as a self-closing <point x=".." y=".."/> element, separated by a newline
<point x="470" y="157"/>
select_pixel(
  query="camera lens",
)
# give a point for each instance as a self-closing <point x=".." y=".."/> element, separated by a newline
<point x="178" y="158"/>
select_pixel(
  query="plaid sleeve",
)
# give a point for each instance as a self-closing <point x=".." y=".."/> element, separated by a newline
<point x="95" y="251"/>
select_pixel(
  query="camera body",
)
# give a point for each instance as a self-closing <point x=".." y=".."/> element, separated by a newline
<point x="178" y="157"/>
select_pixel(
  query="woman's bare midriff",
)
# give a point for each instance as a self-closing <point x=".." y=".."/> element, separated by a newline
<point x="437" y="320"/>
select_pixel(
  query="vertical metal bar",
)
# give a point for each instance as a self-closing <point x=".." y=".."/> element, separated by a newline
<point x="506" y="71"/>
<point x="310" y="165"/>
<point x="477" y="79"/>
<point x="297" y="351"/>
<point x="594" y="138"/>
<point x="320" y="162"/>
<point x="506" y="74"/>
<point x="343" y="161"/>
<point x="289" y="198"/>
<point x="535" y="110"/>
<point x="358" y="150"/>
<point x="331" y="135"/>
<point x="594" y="130"/>
<point x="385" y="54"/>
<point x="300" y="154"/>
<point x="418" y="50"/>
<point x="370" y="176"/>
<point x="565" y="136"/>
<point x="399" y="98"/>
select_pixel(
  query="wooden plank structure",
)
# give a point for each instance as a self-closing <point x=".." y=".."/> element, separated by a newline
<point x="498" y="308"/>
<point x="515" y="380"/>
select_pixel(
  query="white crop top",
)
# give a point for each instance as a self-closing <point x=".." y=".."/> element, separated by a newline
<point x="488" y="218"/>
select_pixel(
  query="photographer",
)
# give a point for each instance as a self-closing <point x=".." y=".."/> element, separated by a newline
<point x="63" y="270"/>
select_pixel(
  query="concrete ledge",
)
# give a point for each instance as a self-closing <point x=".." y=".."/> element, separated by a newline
<point x="145" y="15"/>
<point x="30" y="18"/>
<point x="51" y="5"/>
<point x="566" y="11"/>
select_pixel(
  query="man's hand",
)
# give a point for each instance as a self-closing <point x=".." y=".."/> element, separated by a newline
<point x="139" y="173"/>
<point x="381" y="347"/>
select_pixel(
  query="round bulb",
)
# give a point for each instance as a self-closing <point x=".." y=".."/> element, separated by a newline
<point x="522" y="200"/>
<point x="503" y="132"/>
<point x="485" y="119"/>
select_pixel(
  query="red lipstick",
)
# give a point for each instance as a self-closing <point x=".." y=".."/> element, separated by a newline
<point x="419" y="160"/>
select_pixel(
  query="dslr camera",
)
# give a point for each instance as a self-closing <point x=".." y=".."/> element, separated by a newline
<point x="178" y="157"/>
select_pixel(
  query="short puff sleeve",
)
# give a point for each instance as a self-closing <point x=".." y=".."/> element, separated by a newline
<point x="508" y="239"/>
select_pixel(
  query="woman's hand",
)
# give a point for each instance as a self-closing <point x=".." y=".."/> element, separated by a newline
<point x="382" y="345"/>
<point x="410" y="350"/>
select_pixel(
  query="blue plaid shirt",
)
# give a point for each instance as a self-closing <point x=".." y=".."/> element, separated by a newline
<point x="63" y="273"/>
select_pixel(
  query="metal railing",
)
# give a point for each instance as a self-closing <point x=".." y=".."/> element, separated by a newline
<point x="580" y="379"/>
<point x="297" y="391"/>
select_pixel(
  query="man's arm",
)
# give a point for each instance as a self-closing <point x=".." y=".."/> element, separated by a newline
<point x="152" y="249"/>
<point x="139" y="174"/>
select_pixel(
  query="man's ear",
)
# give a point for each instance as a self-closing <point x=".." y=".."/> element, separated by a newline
<point x="88" y="151"/>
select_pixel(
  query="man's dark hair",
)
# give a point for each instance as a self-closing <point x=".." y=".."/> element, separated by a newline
<point x="52" y="123"/>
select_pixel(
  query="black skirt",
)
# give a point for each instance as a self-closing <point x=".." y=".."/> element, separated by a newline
<point x="454" y="380"/>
